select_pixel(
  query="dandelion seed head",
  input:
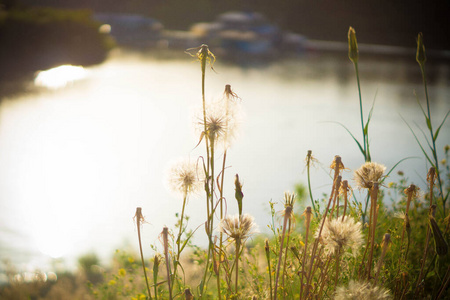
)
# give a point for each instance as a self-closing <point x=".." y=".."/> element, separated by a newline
<point x="340" y="235"/>
<point x="221" y="121"/>
<point x="369" y="173"/>
<point x="184" y="177"/>
<point x="361" y="291"/>
<point x="238" y="227"/>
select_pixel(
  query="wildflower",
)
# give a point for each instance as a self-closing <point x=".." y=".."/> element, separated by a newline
<point x="361" y="291"/>
<point x="238" y="227"/>
<point x="112" y="282"/>
<point x="339" y="234"/>
<point x="122" y="272"/>
<point x="353" y="52"/>
<point x="183" y="177"/>
<point x="369" y="173"/>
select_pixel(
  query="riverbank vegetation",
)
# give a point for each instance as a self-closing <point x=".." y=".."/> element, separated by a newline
<point x="41" y="38"/>
<point x="368" y="238"/>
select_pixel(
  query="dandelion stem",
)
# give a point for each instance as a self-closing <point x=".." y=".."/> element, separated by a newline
<point x="165" y="234"/>
<point x="139" y="218"/>
<point x="176" y="263"/>
<point x="374" y="197"/>
<point x="308" y="164"/>
<point x="267" y="250"/>
<point x="337" y="167"/>
<point x="286" y="217"/>
<point x="431" y="178"/>
<point x="238" y="245"/>
<point x="285" y="257"/>
<point x="308" y="222"/>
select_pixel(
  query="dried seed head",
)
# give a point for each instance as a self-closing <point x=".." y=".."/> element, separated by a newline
<point x="308" y="215"/>
<point x="310" y="160"/>
<point x="412" y="190"/>
<point x="183" y="177"/>
<point x="361" y="291"/>
<point x="138" y="217"/>
<point x="339" y="234"/>
<point x="203" y="54"/>
<point x="289" y="199"/>
<point x="337" y="164"/>
<point x="238" y="227"/>
<point x="369" y="173"/>
<point x="188" y="295"/>
<point x="431" y="175"/>
<point x="229" y="94"/>
<point x="386" y="240"/>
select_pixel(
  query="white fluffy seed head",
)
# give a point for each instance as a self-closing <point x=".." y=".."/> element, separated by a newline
<point x="184" y="177"/>
<point x="339" y="236"/>
<point x="222" y="121"/>
<point x="238" y="227"/>
<point x="369" y="173"/>
<point x="361" y="291"/>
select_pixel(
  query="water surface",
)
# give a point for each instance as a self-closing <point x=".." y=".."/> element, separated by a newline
<point x="76" y="161"/>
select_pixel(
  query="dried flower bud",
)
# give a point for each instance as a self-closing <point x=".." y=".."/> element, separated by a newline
<point x="188" y="295"/>
<point x="353" y="52"/>
<point x="431" y="175"/>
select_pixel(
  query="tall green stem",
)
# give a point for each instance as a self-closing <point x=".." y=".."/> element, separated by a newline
<point x="433" y="138"/>
<point x="366" y="156"/>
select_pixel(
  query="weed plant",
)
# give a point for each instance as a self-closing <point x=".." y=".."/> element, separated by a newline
<point x="337" y="248"/>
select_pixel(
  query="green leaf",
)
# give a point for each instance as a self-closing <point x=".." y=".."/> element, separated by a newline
<point x="439" y="128"/>
<point x="425" y="137"/>
<point x="428" y="123"/>
<point x="392" y="169"/>
<point x="417" y="140"/>
<point x="356" y="141"/>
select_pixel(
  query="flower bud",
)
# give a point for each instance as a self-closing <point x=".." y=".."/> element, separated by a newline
<point x="421" y="58"/>
<point x="353" y="52"/>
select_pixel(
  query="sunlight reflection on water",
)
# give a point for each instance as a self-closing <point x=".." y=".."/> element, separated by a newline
<point x="60" y="77"/>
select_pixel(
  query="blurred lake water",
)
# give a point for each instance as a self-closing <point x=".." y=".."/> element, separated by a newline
<point x="77" y="158"/>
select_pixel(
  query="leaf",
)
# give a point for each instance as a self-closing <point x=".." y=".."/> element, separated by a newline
<point x="392" y="169"/>
<point x="439" y="128"/>
<point x="359" y="145"/>
<point x="425" y="137"/>
<point x="366" y="128"/>
<point x="417" y="140"/>
<point x="428" y="123"/>
<point x="201" y="138"/>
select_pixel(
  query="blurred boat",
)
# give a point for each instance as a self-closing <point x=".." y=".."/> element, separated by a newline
<point x="131" y="29"/>
<point x="233" y="35"/>
<point x="247" y="34"/>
